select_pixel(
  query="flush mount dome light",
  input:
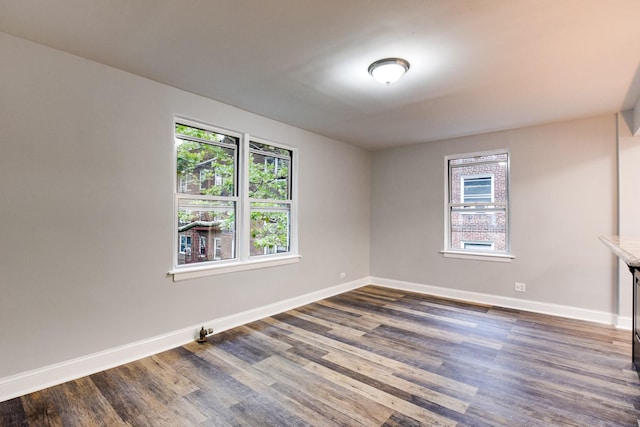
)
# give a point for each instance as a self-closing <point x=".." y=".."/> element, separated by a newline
<point x="388" y="70"/>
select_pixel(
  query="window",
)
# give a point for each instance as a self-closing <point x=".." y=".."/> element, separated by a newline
<point x="270" y="198"/>
<point x="183" y="184"/>
<point x="185" y="244"/>
<point x="205" y="211"/>
<point x="477" y="245"/>
<point x="203" y="246"/>
<point x="477" y="204"/>
<point x="477" y="189"/>
<point x="217" y="247"/>
<point x="242" y="209"/>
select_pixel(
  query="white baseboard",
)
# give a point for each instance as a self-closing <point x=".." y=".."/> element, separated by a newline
<point x="624" y="322"/>
<point x="41" y="378"/>
<point x="515" y="303"/>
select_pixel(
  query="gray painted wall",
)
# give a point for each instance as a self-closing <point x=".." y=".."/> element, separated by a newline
<point x="563" y="195"/>
<point x="87" y="163"/>
<point x="86" y="180"/>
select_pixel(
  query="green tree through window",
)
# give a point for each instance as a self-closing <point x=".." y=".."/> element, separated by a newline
<point x="270" y="197"/>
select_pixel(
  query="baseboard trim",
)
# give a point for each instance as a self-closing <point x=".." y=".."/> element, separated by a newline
<point x="507" y="302"/>
<point x="624" y="322"/>
<point x="41" y="378"/>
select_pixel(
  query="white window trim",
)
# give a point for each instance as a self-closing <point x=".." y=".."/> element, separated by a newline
<point x="449" y="252"/>
<point x="243" y="261"/>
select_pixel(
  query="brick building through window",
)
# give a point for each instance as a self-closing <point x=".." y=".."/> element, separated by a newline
<point x="478" y="203"/>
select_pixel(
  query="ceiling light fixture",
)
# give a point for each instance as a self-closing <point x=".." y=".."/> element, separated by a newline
<point x="388" y="70"/>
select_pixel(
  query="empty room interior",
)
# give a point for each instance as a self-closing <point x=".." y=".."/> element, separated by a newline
<point x="353" y="212"/>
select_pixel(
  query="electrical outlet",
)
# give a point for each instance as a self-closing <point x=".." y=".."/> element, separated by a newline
<point x="343" y="275"/>
<point x="521" y="287"/>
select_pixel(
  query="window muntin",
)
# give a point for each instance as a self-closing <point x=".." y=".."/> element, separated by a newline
<point x="477" y="203"/>
<point x="234" y="197"/>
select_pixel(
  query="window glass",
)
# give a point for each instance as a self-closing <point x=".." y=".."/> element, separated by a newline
<point x="270" y="224"/>
<point x="206" y="169"/>
<point x="220" y="214"/>
<point x="477" y="218"/>
<point x="203" y="221"/>
<point x="206" y="174"/>
<point x="269" y="175"/>
<point x="269" y="181"/>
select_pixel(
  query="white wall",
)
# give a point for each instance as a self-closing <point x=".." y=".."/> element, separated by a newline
<point x="86" y="216"/>
<point x="563" y="195"/>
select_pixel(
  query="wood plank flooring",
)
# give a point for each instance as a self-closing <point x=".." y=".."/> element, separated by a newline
<point x="369" y="357"/>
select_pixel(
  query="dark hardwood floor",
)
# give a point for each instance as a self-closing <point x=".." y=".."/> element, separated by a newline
<point x="371" y="357"/>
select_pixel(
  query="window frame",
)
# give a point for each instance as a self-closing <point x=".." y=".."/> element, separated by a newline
<point x="289" y="201"/>
<point x="243" y="260"/>
<point x="481" y="255"/>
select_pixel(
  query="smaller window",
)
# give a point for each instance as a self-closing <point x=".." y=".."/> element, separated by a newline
<point x="203" y="246"/>
<point x="217" y="248"/>
<point x="477" y="203"/>
<point x="478" y="245"/>
<point x="203" y="179"/>
<point x="185" y="244"/>
<point x="183" y="184"/>
<point x="477" y="189"/>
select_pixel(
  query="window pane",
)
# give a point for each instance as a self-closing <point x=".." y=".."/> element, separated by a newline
<point x="478" y="183"/>
<point x="269" y="176"/>
<point x="479" y="225"/>
<point x="206" y="230"/>
<point x="205" y="168"/>
<point x="269" y="228"/>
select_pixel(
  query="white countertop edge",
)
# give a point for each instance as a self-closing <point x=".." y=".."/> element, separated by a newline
<point x="626" y="248"/>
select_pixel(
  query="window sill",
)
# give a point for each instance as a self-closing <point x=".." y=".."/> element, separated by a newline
<point x="185" y="273"/>
<point x="477" y="256"/>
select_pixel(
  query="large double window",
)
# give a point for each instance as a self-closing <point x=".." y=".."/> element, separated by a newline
<point x="234" y="199"/>
<point x="477" y="207"/>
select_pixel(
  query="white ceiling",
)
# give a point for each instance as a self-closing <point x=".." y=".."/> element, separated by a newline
<point x="476" y="65"/>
